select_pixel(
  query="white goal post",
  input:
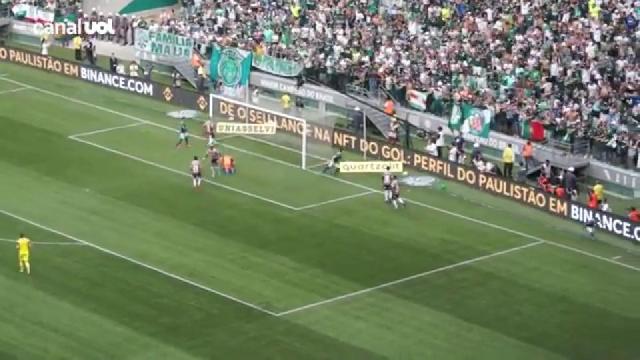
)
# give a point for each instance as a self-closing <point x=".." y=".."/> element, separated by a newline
<point x="224" y="109"/>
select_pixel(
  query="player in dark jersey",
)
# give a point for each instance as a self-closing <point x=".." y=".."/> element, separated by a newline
<point x="333" y="164"/>
<point x="214" y="157"/>
<point x="395" y="193"/>
<point x="589" y="227"/>
<point x="386" y="184"/>
<point x="183" y="135"/>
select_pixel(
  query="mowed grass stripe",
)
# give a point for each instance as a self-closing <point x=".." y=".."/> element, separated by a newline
<point x="81" y="303"/>
<point x="137" y="262"/>
<point x="414" y="227"/>
<point x="309" y="246"/>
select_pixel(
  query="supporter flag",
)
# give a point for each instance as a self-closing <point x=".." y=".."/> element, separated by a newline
<point x="417" y="100"/>
<point x="232" y="66"/>
<point x="456" y="117"/>
<point x="477" y="122"/>
<point x="532" y="130"/>
<point x="470" y="120"/>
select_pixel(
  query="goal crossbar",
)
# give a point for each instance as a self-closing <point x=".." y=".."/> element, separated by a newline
<point x="216" y="103"/>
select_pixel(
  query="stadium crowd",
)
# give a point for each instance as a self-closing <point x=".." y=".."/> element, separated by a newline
<point x="570" y="64"/>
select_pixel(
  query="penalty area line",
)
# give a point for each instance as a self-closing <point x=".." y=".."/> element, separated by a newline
<point x="63" y="243"/>
<point x="364" y="187"/>
<point x="412" y="277"/>
<point x="139" y="263"/>
<point x="100" y="131"/>
<point x="348" y="197"/>
<point x="13" y="90"/>
<point x="159" y="166"/>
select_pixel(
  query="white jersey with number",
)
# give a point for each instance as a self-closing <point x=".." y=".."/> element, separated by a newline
<point x="195" y="167"/>
<point x="395" y="187"/>
<point x="208" y="127"/>
<point x="386" y="178"/>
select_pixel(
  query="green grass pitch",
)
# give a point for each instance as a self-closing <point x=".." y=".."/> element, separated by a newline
<point x="275" y="262"/>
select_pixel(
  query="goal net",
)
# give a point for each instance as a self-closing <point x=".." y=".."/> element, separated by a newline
<point x="269" y="133"/>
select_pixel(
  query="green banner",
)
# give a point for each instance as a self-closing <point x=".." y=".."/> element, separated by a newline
<point x="275" y="66"/>
<point x="470" y="120"/>
<point x="230" y="65"/>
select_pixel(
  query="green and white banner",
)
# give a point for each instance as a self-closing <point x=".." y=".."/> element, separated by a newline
<point x="163" y="45"/>
<point x="470" y="120"/>
<point x="417" y="99"/>
<point x="232" y="66"/>
<point x="275" y="66"/>
<point x="32" y="13"/>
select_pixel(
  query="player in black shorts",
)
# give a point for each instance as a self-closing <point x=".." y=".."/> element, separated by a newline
<point x="395" y="193"/>
<point x="386" y="184"/>
<point x="196" y="172"/>
<point x="214" y="156"/>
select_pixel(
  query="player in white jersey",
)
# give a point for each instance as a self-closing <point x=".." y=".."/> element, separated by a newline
<point x="395" y="193"/>
<point x="208" y="132"/>
<point x="214" y="156"/>
<point x="196" y="172"/>
<point x="386" y="184"/>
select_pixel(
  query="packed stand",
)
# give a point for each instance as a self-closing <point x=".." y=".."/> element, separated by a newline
<point x="571" y="65"/>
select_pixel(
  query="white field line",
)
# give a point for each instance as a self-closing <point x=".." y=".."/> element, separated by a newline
<point x="348" y="197"/>
<point x="137" y="262"/>
<point x="414" y="202"/>
<point x="77" y="136"/>
<point x="151" y="123"/>
<point x="65" y="243"/>
<point x="417" y="203"/>
<point x="160" y="166"/>
<point x="13" y="90"/>
<point x="412" y="277"/>
<point x="107" y="129"/>
<point x="317" y="165"/>
<point x="468" y="218"/>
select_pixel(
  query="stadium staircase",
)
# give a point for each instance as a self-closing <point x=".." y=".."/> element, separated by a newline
<point x="371" y="105"/>
<point x="185" y="69"/>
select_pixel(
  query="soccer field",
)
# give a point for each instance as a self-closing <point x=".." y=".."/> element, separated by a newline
<point x="275" y="262"/>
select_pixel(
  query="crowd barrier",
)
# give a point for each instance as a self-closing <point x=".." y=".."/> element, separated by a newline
<point x="521" y="193"/>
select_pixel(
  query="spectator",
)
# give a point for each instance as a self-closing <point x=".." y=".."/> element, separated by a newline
<point x="527" y="155"/>
<point x="176" y="79"/>
<point x="571" y="182"/>
<point x="507" y="161"/>
<point x="431" y="148"/>
<point x="598" y="190"/>
<point x="592" y="200"/>
<point x="113" y="63"/>
<point x="477" y="152"/>
<point x="202" y="78"/>
<point x="133" y="69"/>
<point x="546" y="169"/>
<point x="77" y="47"/>
<point x="453" y="154"/>
<point x="285" y="100"/>
<point x="440" y="142"/>
<point x="634" y="215"/>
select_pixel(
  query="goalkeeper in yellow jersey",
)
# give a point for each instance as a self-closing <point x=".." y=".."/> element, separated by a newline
<point x="24" y="246"/>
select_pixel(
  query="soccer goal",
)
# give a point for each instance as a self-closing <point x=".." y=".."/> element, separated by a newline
<point x="284" y="137"/>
